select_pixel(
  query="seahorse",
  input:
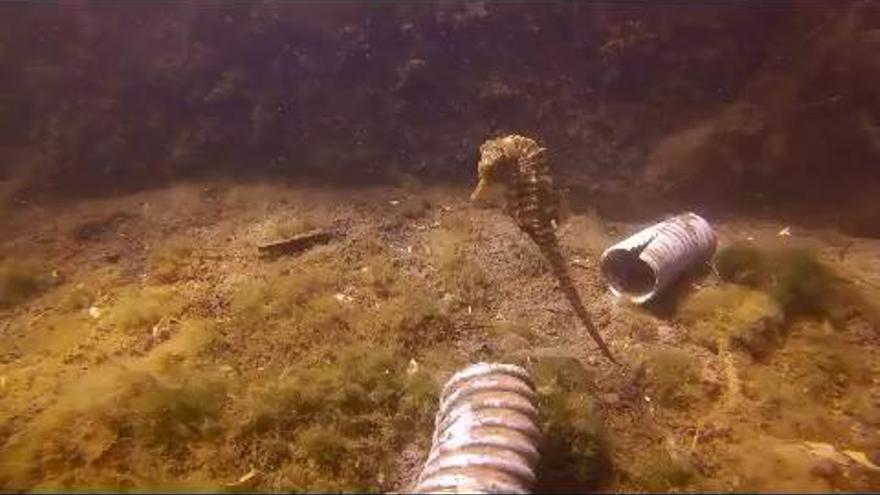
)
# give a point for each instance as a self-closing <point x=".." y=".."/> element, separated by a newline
<point x="518" y="163"/>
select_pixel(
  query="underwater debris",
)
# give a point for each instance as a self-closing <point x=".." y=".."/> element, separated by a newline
<point x="298" y="243"/>
<point x="486" y="434"/>
<point x="644" y="264"/>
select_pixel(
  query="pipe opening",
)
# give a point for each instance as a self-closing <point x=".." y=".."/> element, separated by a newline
<point x="628" y="274"/>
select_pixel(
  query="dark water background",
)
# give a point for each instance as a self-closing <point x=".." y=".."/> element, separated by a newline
<point x="738" y="104"/>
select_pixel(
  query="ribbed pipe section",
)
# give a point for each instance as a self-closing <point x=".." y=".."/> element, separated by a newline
<point x="486" y="433"/>
<point x="641" y="266"/>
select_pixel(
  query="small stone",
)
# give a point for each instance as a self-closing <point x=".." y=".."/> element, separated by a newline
<point x="95" y="312"/>
<point x="111" y="257"/>
<point x="413" y="367"/>
<point x="245" y="481"/>
<point x="343" y="298"/>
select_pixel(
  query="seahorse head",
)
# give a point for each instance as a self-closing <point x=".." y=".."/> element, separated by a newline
<point x="498" y="163"/>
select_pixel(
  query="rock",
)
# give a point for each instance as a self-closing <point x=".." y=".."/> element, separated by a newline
<point x="342" y="297"/>
<point x="100" y="228"/>
<point x="825" y="468"/>
<point x="111" y="257"/>
<point x="248" y="480"/>
<point x="759" y="338"/>
<point x="413" y="367"/>
<point x="759" y="325"/>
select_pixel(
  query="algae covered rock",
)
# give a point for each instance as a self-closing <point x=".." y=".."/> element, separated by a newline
<point x="761" y="335"/>
<point x="803" y="285"/>
<point x="751" y="320"/>
<point x="740" y="263"/>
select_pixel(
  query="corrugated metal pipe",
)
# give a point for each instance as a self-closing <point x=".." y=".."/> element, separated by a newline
<point x="486" y="433"/>
<point x="641" y="266"/>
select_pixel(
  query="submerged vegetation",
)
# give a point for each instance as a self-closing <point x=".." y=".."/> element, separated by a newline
<point x="803" y="285"/>
<point x="332" y="418"/>
<point x="576" y="450"/>
<point x="342" y="421"/>
<point x="460" y="275"/>
<point x="671" y="376"/>
<point x="172" y="261"/>
<point x="321" y="371"/>
<point x="741" y="263"/>
<point x="800" y="284"/>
